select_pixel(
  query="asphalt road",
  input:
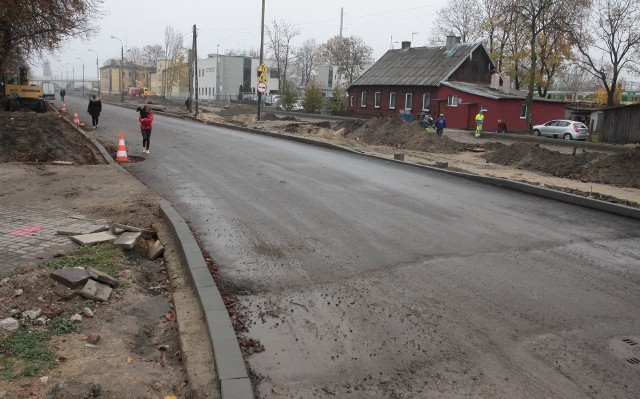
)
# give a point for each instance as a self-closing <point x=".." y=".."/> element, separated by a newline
<point x="365" y="278"/>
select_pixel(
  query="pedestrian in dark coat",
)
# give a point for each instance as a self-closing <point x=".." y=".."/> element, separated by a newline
<point x="441" y="123"/>
<point x="94" y="109"/>
<point x="63" y="93"/>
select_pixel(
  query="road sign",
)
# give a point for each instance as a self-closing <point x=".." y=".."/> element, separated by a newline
<point x="262" y="68"/>
<point x="262" y="87"/>
<point x="262" y="78"/>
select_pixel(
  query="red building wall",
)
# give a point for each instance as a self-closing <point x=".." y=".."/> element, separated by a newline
<point x="461" y="116"/>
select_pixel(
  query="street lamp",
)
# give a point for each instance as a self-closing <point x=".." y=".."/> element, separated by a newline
<point x="121" y="63"/>
<point x="97" y="70"/>
<point x="217" y="74"/>
<point x="82" y="75"/>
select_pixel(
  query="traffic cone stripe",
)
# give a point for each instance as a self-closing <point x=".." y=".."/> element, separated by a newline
<point x="121" y="156"/>
<point x="64" y="108"/>
<point x="76" y="118"/>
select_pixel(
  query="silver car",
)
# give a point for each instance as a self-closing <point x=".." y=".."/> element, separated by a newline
<point x="562" y="128"/>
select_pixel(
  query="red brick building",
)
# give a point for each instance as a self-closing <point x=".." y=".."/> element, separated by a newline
<point x="456" y="80"/>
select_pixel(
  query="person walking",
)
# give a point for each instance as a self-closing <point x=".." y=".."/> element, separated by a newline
<point x="146" y="121"/>
<point x="479" y="122"/>
<point x="63" y="93"/>
<point x="94" y="109"/>
<point x="441" y="123"/>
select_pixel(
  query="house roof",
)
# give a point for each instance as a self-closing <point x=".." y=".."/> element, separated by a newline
<point x="484" y="90"/>
<point x="417" y="66"/>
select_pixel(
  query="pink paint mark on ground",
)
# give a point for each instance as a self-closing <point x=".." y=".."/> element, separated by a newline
<point x="27" y="231"/>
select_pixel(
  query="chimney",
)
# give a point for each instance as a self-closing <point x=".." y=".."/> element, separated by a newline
<point x="406" y="45"/>
<point x="451" y="42"/>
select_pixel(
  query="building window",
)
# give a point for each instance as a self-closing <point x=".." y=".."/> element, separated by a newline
<point x="408" y="100"/>
<point x="376" y="99"/>
<point x="484" y="108"/>
<point x="392" y="100"/>
<point x="523" y="111"/>
<point x="351" y="101"/>
<point x="452" y="101"/>
<point x="426" y="100"/>
<point x="363" y="99"/>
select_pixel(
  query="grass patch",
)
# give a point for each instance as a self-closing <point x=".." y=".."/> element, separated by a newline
<point x="27" y="353"/>
<point x="104" y="257"/>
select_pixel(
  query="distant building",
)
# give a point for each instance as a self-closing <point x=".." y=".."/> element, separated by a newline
<point x="110" y="78"/>
<point x="457" y="80"/>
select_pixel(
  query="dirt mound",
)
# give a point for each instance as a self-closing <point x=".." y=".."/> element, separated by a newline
<point x="616" y="169"/>
<point x="400" y="134"/>
<point x="269" y="116"/>
<point x="31" y="137"/>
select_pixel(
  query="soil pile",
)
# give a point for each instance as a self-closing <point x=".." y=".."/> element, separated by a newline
<point x="32" y="137"/>
<point x="397" y="133"/>
<point x="616" y="169"/>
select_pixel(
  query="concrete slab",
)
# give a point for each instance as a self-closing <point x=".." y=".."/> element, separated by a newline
<point x="96" y="291"/>
<point x="94" y="238"/>
<point x="155" y="250"/>
<point x="154" y="307"/>
<point x="70" y="277"/>
<point x="127" y="240"/>
<point x="229" y="360"/>
<point x="102" y="277"/>
<point x="80" y="230"/>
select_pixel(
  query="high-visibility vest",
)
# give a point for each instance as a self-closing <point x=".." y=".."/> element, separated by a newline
<point x="479" y="118"/>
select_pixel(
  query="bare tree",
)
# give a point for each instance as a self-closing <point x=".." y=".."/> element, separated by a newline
<point x="30" y="28"/>
<point x="135" y="56"/>
<point x="152" y="53"/>
<point x="349" y="54"/>
<point x="280" y="34"/>
<point x="306" y="60"/>
<point x="461" y="19"/>
<point x="609" y="41"/>
<point x="175" y="54"/>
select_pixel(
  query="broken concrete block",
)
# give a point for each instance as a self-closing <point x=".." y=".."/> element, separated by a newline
<point x="128" y="240"/>
<point x="80" y="230"/>
<point x="145" y="233"/>
<point x="399" y="157"/>
<point x="95" y="291"/>
<point x="70" y="277"/>
<point x="102" y="277"/>
<point x="156" y="250"/>
<point x="94" y="238"/>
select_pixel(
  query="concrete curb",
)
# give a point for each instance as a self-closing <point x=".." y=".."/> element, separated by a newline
<point x="232" y="372"/>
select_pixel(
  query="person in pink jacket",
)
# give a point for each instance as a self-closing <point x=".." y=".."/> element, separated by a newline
<point x="146" y="121"/>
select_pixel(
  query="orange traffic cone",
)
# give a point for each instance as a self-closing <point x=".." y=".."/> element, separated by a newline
<point x="121" y="156"/>
<point x="76" y="118"/>
<point x="64" y="108"/>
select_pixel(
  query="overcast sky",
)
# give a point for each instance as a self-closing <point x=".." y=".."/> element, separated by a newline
<point x="235" y="24"/>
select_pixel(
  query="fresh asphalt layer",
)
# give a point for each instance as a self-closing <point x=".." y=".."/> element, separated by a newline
<point x="233" y="376"/>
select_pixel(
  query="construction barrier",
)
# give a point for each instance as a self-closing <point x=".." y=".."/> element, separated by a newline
<point x="121" y="156"/>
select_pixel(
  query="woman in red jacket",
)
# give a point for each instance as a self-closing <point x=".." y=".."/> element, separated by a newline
<point x="146" y="120"/>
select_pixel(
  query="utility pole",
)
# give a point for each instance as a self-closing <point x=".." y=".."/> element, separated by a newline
<point x="82" y="75"/>
<point x="261" y="56"/>
<point x="97" y="71"/>
<point x="341" y="19"/>
<point x="121" y="64"/>
<point x="195" y="61"/>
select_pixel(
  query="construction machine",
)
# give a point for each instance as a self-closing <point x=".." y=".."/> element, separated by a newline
<point x="17" y="93"/>
<point x="140" y="90"/>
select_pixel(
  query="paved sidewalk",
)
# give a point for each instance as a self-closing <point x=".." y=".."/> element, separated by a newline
<point x="29" y="234"/>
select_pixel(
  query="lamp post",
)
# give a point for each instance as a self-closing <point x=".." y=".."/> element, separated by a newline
<point x="121" y="63"/>
<point x="82" y="75"/>
<point x="217" y="67"/>
<point x="97" y="71"/>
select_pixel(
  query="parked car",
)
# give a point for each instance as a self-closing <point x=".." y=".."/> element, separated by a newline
<point x="297" y="106"/>
<point x="562" y="128"/>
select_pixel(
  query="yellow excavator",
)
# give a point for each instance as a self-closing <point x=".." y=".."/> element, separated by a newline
<point x="140" y="90"/>
<point x="17" y="93"/>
